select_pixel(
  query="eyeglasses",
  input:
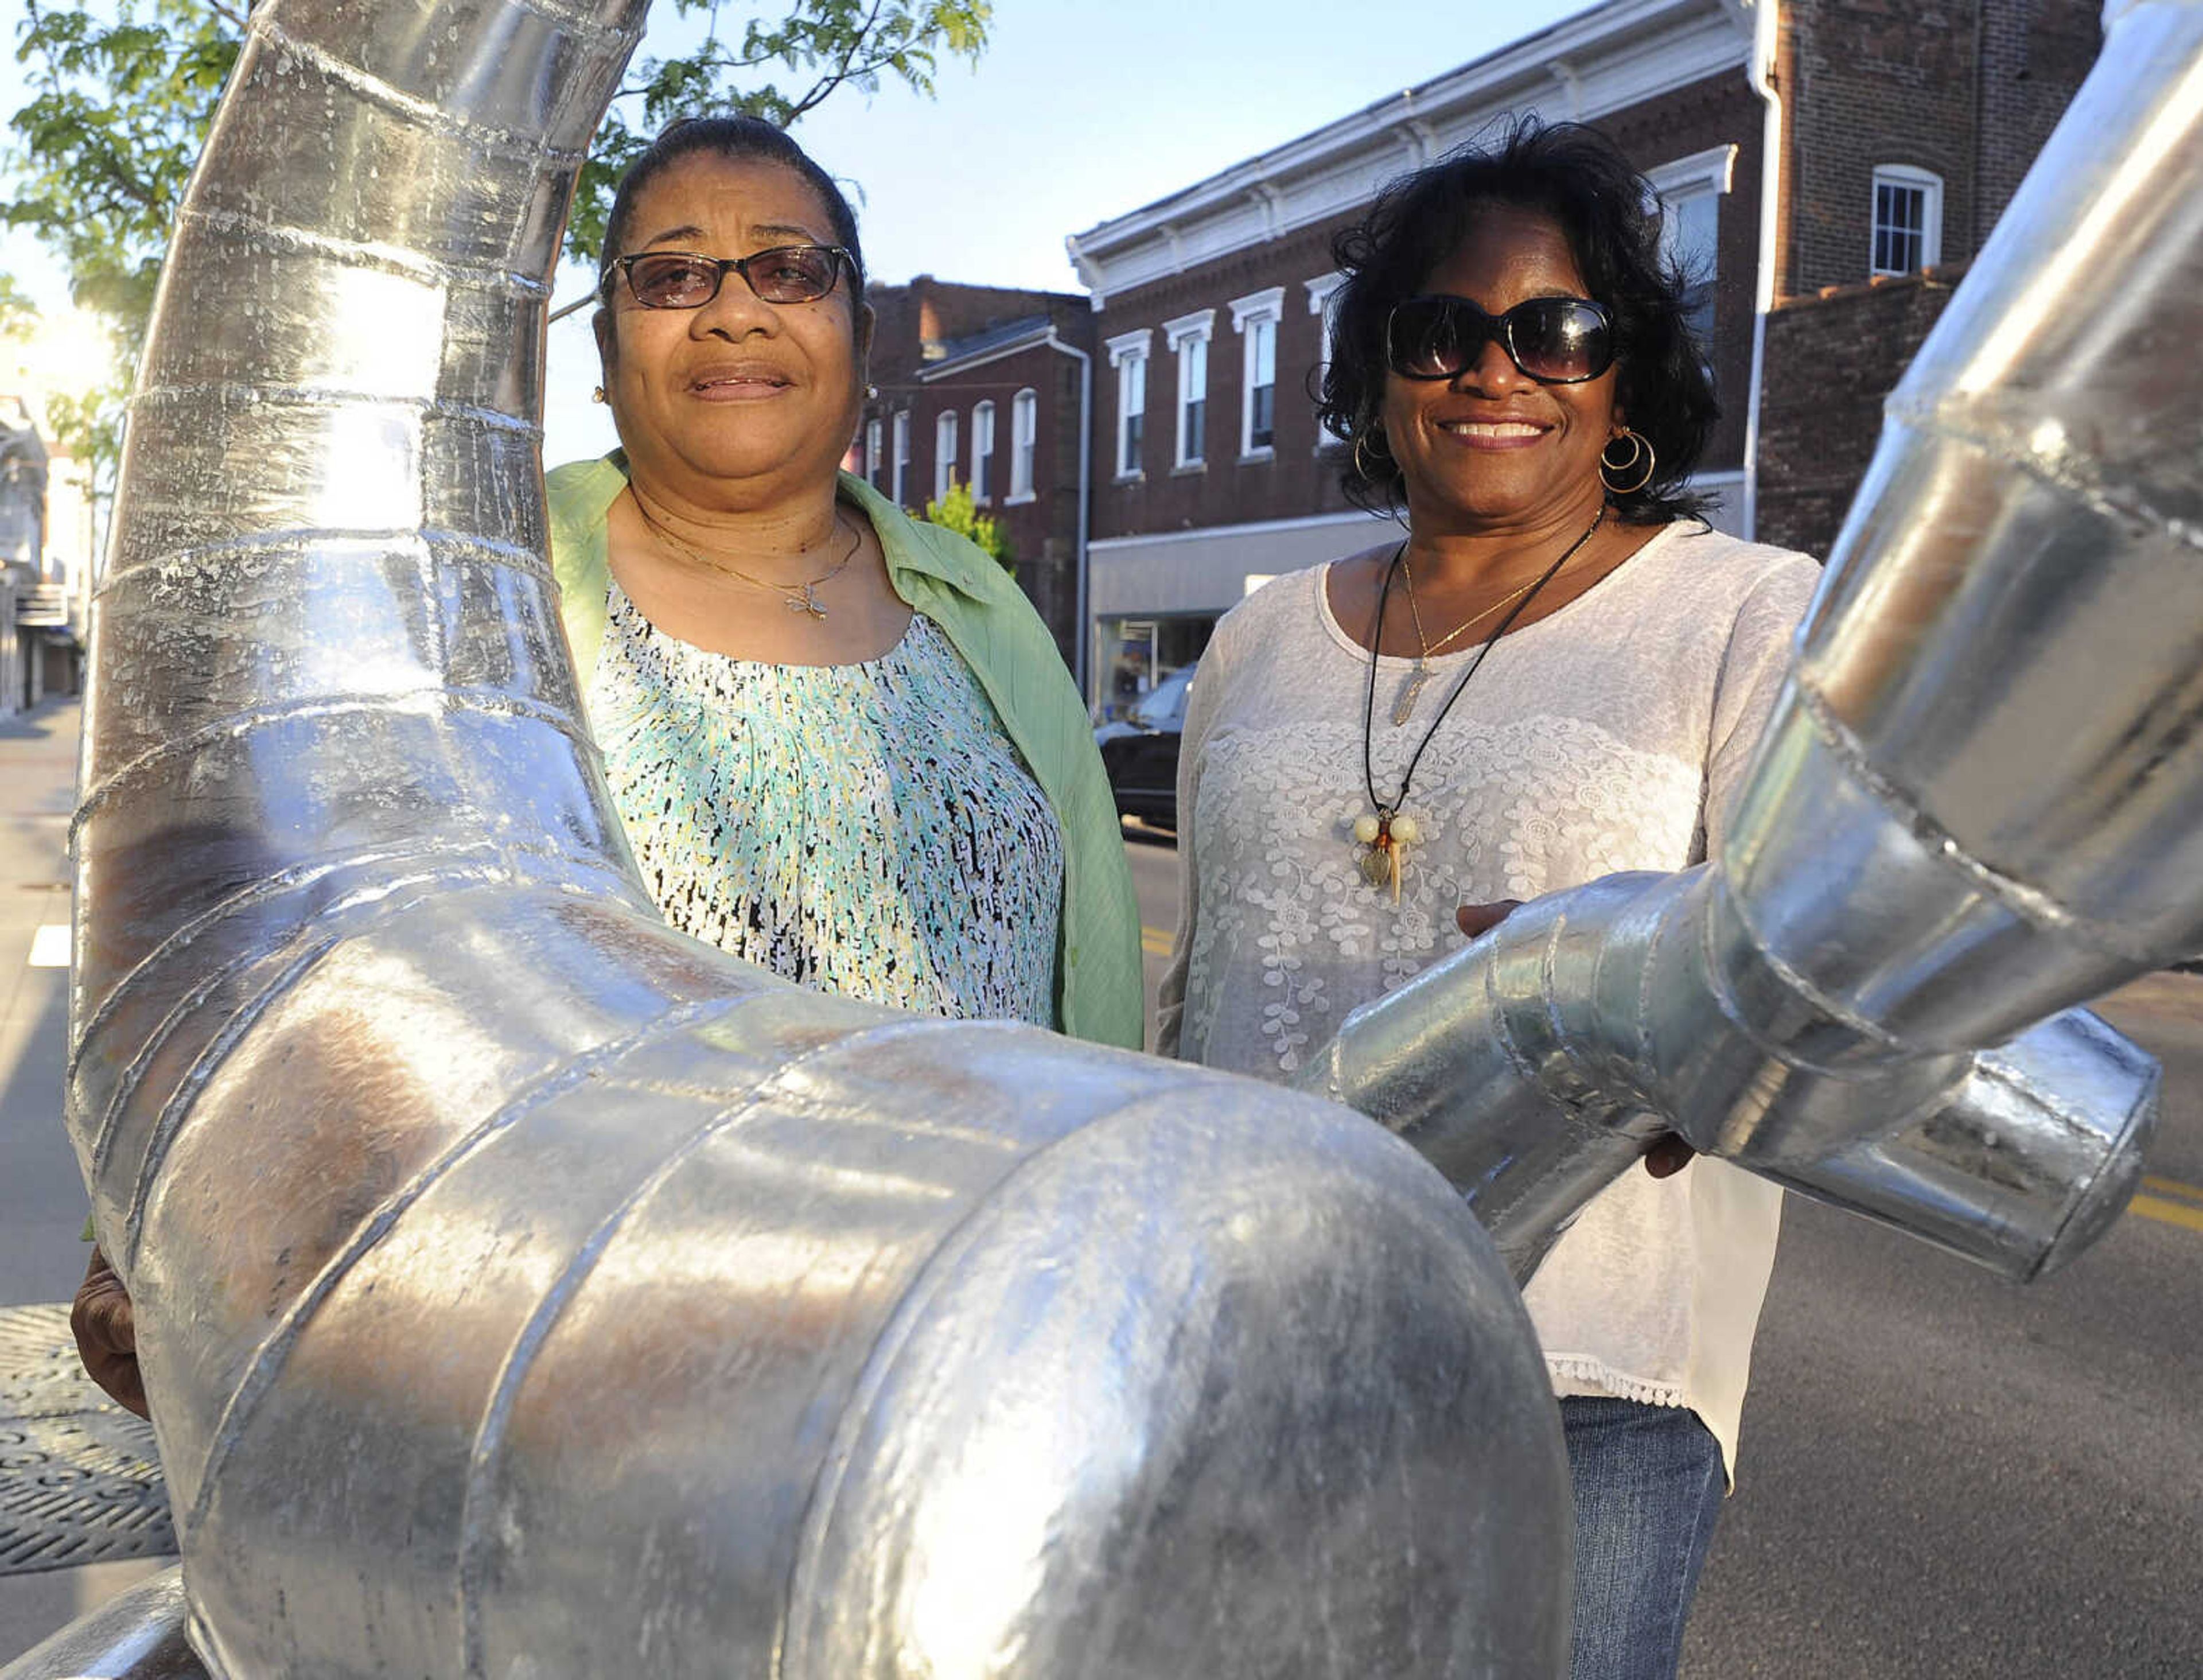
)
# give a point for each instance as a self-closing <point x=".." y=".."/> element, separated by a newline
<point x="1553" y="340"/>
<point x="788" y="273"/>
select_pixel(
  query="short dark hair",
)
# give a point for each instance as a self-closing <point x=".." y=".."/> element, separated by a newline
<point x="1577" y="176"/>
<point x="737" y="139"/>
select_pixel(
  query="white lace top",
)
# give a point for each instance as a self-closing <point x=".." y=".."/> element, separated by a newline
<point x="866" y="829"/>
<point x="1610" y="736"/>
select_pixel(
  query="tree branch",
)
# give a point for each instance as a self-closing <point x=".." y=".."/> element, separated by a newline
<point x="826" y="85"/>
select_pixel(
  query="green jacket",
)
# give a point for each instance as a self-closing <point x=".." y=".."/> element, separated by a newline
<point x="991" y="623"/>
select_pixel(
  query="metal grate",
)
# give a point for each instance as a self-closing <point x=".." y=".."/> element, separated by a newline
<point x="80" y="1477"/>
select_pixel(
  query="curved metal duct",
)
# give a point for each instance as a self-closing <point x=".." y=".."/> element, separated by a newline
<point x="1980" y="802"/>
<point x="526" y="1289"/>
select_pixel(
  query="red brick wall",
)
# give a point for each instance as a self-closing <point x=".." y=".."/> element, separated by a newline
<point x="2034" y="55"/>
<point x="1295" y="480"/>
<point x="1968" y="89"/>
<point x="916" y="324"/>
<point x="1042" y="533"/>
<point x="1831" y="361"/>
<point x="1889" y="81"/>
<point x="1866" y="82"/>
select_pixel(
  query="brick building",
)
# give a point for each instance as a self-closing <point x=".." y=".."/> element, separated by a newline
<point x="1899" y="131"/>
<point x="1907" y="130"/>
<point x="1209" y="472"/>
<point x="989" y="387"/>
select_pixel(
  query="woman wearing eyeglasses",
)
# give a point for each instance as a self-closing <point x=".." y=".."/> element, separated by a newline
<point x="843" y="744"/>
<point x="1557" y="672"/>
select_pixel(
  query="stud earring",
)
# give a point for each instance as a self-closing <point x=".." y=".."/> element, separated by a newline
<point x="597" y="395"/>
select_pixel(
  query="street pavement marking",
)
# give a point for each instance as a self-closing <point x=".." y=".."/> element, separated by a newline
<point x="1155" y="940"/>
<point x="2173" y="1204"/>
<point x="2168" y="1213"/>
<point x="50" y="946"/>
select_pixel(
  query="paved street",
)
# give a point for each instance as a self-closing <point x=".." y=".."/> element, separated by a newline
<point x="1941" y="1474"/>
<point x="42" y="1201"/>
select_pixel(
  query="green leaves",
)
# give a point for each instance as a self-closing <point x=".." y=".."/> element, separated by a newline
<point x="959" y="513"/>
<point x="818" y="45"/>
<point x="122" y="93"/>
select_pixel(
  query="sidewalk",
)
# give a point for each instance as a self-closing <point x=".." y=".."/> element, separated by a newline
<point x="42" y="1199"/>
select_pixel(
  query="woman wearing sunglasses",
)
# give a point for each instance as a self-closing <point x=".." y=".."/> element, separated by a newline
<point x="844" y="745"/>
<point x="1558" y="672"/>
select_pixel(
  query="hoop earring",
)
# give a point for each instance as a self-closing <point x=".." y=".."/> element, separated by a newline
<point x="1639" y="460"/>
<point x="1362" y="466"/>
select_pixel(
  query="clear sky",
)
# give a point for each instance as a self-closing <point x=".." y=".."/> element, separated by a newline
<point x="1076" y="113"/>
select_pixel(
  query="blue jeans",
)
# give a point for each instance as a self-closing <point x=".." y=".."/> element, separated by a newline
<point x="1648" y="1487"/>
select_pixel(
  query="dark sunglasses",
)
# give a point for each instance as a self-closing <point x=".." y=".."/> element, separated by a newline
<point x="1553" y="340"/>
<point x="788" y="273"/>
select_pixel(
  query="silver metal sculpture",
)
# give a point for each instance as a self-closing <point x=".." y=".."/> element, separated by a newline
<point x="524" y="1289"/>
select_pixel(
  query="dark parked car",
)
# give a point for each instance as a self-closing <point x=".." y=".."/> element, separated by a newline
<point x="1140" y="751"/>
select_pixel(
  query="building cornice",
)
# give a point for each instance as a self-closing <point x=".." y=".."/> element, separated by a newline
<point x="1608" y="59"/>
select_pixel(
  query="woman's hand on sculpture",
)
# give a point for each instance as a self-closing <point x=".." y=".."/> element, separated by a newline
<point x="1475" y="918"/>
<point x="1668" y="1154"/>
<point x="107" y="1334"/>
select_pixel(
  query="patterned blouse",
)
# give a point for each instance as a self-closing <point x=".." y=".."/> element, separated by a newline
<point x="1612" y="734"/>
<point x="864" y="828"/>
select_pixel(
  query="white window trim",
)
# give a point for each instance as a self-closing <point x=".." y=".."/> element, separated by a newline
<point x="872" y="452"/>
<point x="1713" y="170"/>
<point x="901" y="471"/>
<point x="1129" y="349"/>
<point x="983" y="430"/>
<point x="944" y="454"/>
<point x="1714" y="167"/>
<point x="1931" y="217"/>
<point x="1256" y="307"/>
<point x="1199" y="327"/>
<point x="1026" y="403"/>
<point x="1320" y="290"/>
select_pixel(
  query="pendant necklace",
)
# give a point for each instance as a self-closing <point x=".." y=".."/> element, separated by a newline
<point x="796" y="597"/>
<point x="1383" y="834"/>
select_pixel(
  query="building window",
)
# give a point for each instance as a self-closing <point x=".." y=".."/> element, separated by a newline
<point x="872" y="452"/>
<point x="1322" y="300"/>
<point x="1908" y="220"/>
<point x="944" y="454"/>
<point x="1188" y="336"/>
<point x="1255" y="320"/>
<point x="1690" y="229"/>
<point x="1128" y="354"/>
<point x="983" y="449"/>
<point x="901" y="454"/>
<point x="1689" y="191"/>
<point x="1024" y="436"/>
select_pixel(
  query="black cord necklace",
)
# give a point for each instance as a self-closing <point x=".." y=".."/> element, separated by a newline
<point x="1383" y="834"/>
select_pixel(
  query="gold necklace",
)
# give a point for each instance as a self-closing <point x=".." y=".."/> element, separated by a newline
<point x="1404" y="708"/>
<point x="796" y="597"/>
